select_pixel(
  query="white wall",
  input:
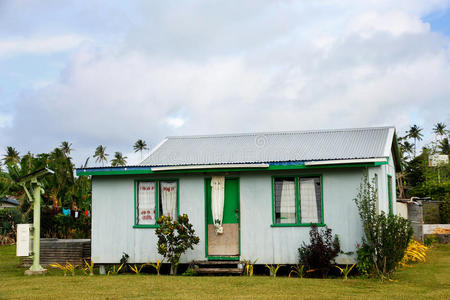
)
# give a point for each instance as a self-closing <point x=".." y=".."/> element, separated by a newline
<point x="113" y="217"/>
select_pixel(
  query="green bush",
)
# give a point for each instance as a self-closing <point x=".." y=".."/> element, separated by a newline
<point x="174" y="238"/>
<point x="386" y="236"/>
<point x="65" y="227"/>
<point x="9" y="218"/>
<point x="321" y="252"/>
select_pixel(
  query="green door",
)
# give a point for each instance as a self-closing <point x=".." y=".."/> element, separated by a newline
<point x="226" y="245"/>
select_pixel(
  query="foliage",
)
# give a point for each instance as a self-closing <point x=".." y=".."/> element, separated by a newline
<point x="100" y="155"/>
<point x="430" y="239"/>
<point x="321" y="252"/>
<point x="156" y="266"/>
<point x="297" y="270"/>
<point x="9" y="218"/>
<point x="124" y="261"/>
<point x="119" y="160"/>
<point x="114" y="270"/>
<point x="174" y="238"/>
<point x="365" y="260"/>
<point x="249" y="266"/>
<point x="189" y="272"/>
<point x="140" y="146"/>
<point x="386" y="237"/>
<point x="65" y="227"/>
<point x="416" y="252"/>
<point x="88" y="267"/>
<point x="346" y="271"/>
<point x="137" y="270"/>
<point x="273" y="269"/>
<point x="67" y="267"/>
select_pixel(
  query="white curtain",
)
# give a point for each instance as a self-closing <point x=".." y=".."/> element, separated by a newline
<point x="308" y="201"/>
<point x="146" y="203"/>
<point x="217" y="201"/>
<point x="169" y="198"/>
<point x="287" y="202"/>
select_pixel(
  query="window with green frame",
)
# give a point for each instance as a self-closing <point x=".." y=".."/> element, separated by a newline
<point x="297" y="200"/>
<point x="154" y="198"/>
<point x="389" y="179"/>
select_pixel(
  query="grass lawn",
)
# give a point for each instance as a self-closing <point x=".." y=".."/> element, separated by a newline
<point x="422" y="281"/>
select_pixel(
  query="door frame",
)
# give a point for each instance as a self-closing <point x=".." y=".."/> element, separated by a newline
<point x="206" y="220"/>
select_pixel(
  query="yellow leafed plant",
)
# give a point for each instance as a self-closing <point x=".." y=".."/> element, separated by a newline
<point x="416" y="252"/>
<point x="157" y="266"/>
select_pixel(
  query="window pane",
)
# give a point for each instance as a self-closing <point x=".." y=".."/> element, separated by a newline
<point x="168" y="198"/>
<point x="285" y="211"/>
<point x="146" y="204"/>
<point x="310" y="200"/>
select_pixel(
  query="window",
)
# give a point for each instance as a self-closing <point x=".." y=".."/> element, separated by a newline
<point x="153" y="199"/>
<point x="297" y="201"/>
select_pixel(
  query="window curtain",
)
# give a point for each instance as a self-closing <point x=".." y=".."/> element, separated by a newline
<point x="146" y="203"/>
<point x="310" y="200"/>
<point x="168" y="190"/>
<point x="287" y="202"/>
<point x="217" y="202"/>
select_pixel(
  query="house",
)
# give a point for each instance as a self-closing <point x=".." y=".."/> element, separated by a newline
<point x="8" y="202"/>
<point x="262" y="190"/>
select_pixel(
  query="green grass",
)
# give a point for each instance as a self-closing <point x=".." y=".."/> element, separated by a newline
<point x="430" y="280"/>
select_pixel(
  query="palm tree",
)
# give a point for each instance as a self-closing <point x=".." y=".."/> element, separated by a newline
<point x="140" y="145"/>
<point x="100" y="155"/>
<point x="439" y="129"/>
<point x="444" y="146"/>
<point x="65" y="147"/>
<point x="11" y="156"/>
<point x="415" y="133"/>
<point x="406" y="148"/>
<point x="119" y="160"/>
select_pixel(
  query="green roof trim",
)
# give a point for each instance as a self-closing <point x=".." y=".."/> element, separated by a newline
<point x="272" y="167"/>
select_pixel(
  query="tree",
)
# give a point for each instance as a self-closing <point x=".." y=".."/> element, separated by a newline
<point x="118" y="160"/>
<point x="100" y="155"/>
<point x="444" y="146"/>
<point x="140" y="145"/>
<point x="174" y="238"/>
<point x="66" y="148"/>
<point x="439" y="129"/>
<point x="11" y="156"/>
<point x="415" y="133"/>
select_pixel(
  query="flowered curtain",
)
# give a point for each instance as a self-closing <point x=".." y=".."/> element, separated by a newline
<point x="310" y="200"/>
<point x="286" y="201"/>
<point x="146" y="203"/>
<point x="168" y="191"/>
<point x="217" y="202"/>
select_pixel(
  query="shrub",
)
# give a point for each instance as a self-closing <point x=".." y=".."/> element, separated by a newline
<point x="322" y="251"/>
<point x="386" y="236"/>
<point x="9" y="218"/>
<point x="174" y="238"/>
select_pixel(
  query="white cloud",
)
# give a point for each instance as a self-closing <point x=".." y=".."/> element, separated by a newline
<point x="39" y="45"/>
<point x="214" y="69"/>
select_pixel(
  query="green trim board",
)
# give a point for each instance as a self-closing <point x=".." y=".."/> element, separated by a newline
<point x="297" y="201"/>
<point x="272" y="167"/>
<point x="157" y="196"/>
<point x="389" y="179"/>
<point x="223" y="257"/>
<point x="227" y="216"/>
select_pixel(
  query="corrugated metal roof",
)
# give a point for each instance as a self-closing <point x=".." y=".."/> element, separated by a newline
<point x="269" y="147"/>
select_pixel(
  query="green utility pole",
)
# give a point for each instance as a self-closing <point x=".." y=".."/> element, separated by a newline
<point x="36" y="191"/>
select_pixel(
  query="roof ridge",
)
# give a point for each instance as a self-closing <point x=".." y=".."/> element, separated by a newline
<point x="278" y="132"/>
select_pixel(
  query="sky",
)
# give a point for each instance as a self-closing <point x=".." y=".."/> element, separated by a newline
<point x="112" y="72"/>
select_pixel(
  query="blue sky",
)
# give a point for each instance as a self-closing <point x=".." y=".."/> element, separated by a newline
<point x="110" y="72"/>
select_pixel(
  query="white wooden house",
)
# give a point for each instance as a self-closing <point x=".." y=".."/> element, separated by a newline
<point x="274" y="185"/>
